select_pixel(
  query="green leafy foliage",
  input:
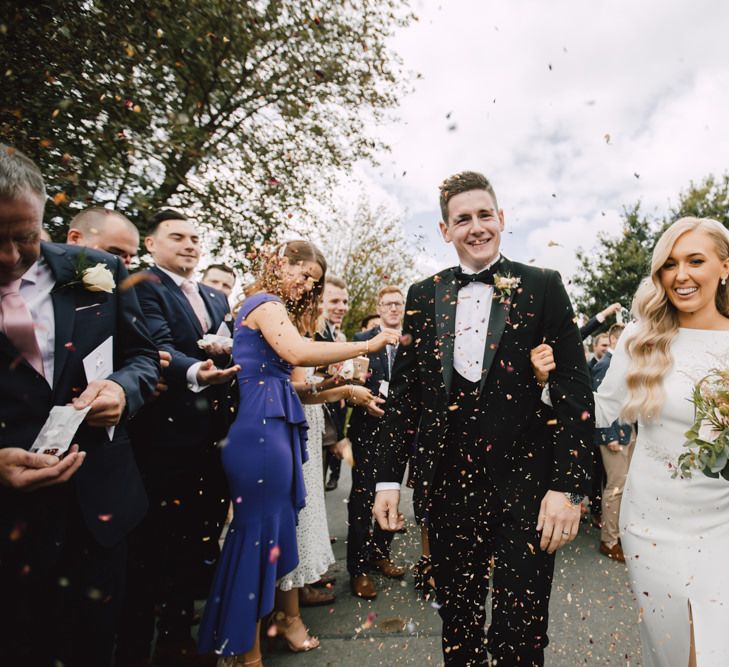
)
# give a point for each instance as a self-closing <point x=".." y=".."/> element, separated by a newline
<point x="236" y="111"/>
<point x="707" y="441"/>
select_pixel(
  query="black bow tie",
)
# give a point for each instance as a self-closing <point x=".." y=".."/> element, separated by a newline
<point x="486" y="277"/>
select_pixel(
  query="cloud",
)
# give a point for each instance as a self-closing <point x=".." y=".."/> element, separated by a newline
<point x="633" y="108"/>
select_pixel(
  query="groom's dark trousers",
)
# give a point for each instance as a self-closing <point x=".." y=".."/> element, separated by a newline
<point x="468" y="524"/>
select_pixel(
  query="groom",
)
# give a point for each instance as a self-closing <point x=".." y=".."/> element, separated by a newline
<point x="499" y="473"/>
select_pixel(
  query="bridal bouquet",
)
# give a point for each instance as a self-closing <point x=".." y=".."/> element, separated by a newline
<point x="708" y="439"/>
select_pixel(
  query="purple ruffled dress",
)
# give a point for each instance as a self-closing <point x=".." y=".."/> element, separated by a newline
<point x="262" y="459"/>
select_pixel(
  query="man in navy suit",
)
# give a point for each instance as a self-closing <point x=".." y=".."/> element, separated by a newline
<point x="175" y="550"/>
<point x="62" y="540"/>
<point x="368" y="548"/>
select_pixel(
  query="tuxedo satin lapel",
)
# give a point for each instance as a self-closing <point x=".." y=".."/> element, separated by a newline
<point x="497" y="324"/>
<point x="64" y="305"/>
<point x="178" y="294"/>
<point x="446" y="295"/>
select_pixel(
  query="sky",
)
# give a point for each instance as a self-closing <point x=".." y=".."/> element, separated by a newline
<point x="572" y="109"/>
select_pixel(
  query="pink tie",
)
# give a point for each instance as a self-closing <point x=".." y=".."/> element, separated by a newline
<point x="198" y="305"/>
<point x="17" y="324"/>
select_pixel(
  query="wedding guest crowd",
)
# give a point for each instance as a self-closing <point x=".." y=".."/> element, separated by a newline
<point x="112" y="532"/>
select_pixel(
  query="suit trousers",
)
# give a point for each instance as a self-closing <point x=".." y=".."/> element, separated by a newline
<point x="172" y="554"/>
<point x="616" y="473"/>
<point x="364" y="543"/>
<point x="468" y="526"/>
<point x="598" y="481"/>
<point x="62" y="591"/>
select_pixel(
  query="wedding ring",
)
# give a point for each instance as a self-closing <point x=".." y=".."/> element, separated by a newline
<point x="565" y="532"/>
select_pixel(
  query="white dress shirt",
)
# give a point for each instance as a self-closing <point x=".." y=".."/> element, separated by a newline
<point x="35" y="288"/>
<point x="473" y="310"/>
<point x="191" y="374"/>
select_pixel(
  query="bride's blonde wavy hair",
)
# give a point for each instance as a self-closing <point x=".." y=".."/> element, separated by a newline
<point x="649" y="346"/>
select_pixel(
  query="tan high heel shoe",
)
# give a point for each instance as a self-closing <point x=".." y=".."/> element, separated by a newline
<point x="293" y="631"/>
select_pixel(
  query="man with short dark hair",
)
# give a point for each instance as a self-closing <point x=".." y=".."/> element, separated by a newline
<point x="335" y="304"/>
<point x="500" y="474"/>
<point x="221" y="277"/>
<point x="369" y="321"/>
<point x="599" y="346"/>
<point x="369" y="549"/>
<point x="107" y="230"/>
<point x="173" y="553"/>
<point x="63" y="525"/>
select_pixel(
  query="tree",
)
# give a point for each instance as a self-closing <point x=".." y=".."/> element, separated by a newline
<point x="366" y="248"/>
<point x="236" y="111"/>
<point x="707" y="199"/>
<point x="613" y="269"/>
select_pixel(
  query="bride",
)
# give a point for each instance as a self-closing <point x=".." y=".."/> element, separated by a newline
<point x="675" y="531"/>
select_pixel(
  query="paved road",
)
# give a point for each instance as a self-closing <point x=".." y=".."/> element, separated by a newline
<point x="593" y="616"/>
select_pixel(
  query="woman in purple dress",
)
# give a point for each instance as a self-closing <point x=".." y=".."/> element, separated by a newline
<point x="265" y="449"/>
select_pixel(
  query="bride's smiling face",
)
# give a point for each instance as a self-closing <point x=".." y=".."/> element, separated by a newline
<point x="692" y="273"/>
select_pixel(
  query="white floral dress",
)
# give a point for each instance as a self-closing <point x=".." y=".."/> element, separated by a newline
<point x="312" y="532"/>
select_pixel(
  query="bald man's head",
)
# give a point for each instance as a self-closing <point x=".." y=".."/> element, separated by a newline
<point x="107" y="230"/>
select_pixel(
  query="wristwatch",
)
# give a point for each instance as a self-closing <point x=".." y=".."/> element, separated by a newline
<point x="574" y="498"/>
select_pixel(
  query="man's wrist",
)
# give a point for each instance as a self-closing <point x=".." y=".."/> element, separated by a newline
<point x="387" y="486"/>
<point x="193" y="381"/>
<point x="574" y="498"/>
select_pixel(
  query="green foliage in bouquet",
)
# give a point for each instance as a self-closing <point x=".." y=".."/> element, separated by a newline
<point x="708" y="439"/>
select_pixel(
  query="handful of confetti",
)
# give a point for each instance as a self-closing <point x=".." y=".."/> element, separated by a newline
<point x="707" y="440"/>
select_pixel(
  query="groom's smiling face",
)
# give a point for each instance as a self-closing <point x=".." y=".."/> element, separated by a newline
<point x="474" y="228"/>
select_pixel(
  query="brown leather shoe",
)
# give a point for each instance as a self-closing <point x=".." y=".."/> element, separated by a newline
<point x="326" y="580"/>
<point x="614" y="552"/>
<point x="363" y="587"/>
<point x="388" y="568"/>
<point x="313" y="597"/>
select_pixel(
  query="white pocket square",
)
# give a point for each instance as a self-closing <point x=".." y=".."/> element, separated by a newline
<point x="93" y="305"/>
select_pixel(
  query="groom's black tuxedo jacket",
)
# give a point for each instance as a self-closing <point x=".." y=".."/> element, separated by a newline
<point x="107" y="486"/>
<point x="529" y="447"/>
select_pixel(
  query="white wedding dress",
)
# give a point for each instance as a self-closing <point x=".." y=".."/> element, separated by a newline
<point x="675" y="532"/>
<point x="312" y="531"/>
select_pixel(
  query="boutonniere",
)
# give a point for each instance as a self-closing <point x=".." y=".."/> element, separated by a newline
<point x="95" y="278"/>
<point x="504" y="286"/>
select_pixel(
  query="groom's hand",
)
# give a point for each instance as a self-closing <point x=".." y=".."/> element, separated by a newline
<point x="559" y="521"/>
<point x="385" y="510"/>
